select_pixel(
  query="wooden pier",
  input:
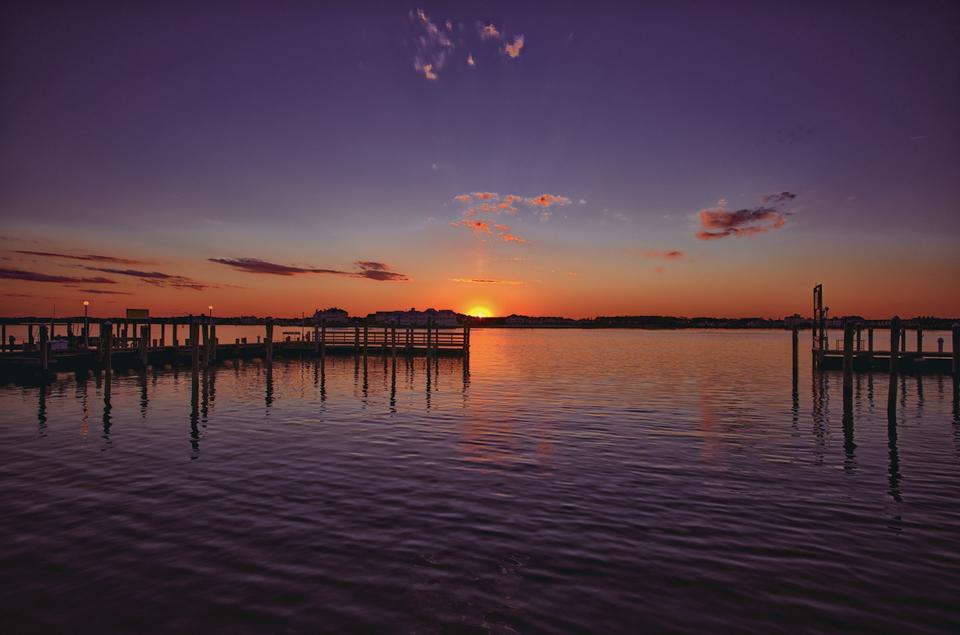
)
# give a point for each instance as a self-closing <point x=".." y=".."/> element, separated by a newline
<point x="132" y="342"/>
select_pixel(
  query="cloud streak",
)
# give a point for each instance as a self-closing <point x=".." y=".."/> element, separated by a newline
<point x="33" y="276"/>
<point x="369" y="269"/>
<point x="487" y="281"/>
<point x="84" y="257"/>
<point x="156" y="278"/>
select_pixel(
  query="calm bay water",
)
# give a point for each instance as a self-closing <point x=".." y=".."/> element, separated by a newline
<point x="567" y="481"/>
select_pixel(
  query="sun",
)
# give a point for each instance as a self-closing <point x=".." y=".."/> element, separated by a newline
<point x="480" y="312"/>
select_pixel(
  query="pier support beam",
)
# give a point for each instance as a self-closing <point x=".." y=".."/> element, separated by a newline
<point x="144" y="344"/>
<point x="194" y="346"/>
<point x="213" y="342"/>
<point x="895" y="336"/>
<point x="848" y="341"/>
<point x="794" y="338"/>
<point x="106" y="345"/>
<point x="173" y="336"/>
<point x="44" y="349"/>
<point x="323" y="338"/>
<point x="956" y="357"/>
<point x="919" y="340"/>
<point x="268" y="341"/>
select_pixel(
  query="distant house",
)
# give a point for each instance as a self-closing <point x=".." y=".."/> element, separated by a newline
<point x="443" y="317"/>
<point x="332" y="315"/>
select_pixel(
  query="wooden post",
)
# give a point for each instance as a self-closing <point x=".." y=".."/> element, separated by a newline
<point x="268" y="341"/>
<point x="144" y="344"/>
<point x="205" y="334"/>
<point x="44" y="349"/>
<point x="173" y="336"/>
<point x="366" y="334"/>
<point x="919" y="340"/>
<point x="316" y="337"/>
<point x="794" y="337"/>
<point x="956" y="355"/>
<point x="386" y="331"/>
<point x="3" y="339"/>
<point x="356" y="340"/>
<point x="106" y="344"/>
<point x="323" y="337"/>
<point x="213" y="340"/>
<point x="848" y="333"/>
<point x="903" y="339"/>
<point x="466" y="341"/>
<point x="30" y="340"/>
<point x="195" y="345"/>
<point x="895" y="336"/>
<point x="163" y="334"/>
<point x="429" y="335"/>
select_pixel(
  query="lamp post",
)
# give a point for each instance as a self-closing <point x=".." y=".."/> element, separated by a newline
<point x="210" y="308"/>
<point x="86" y="324"/>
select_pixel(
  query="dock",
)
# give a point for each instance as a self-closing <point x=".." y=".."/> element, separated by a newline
<point x="55" y="345"/>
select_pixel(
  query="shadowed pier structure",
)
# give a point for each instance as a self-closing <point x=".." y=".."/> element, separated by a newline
<point x="140" y="342"/>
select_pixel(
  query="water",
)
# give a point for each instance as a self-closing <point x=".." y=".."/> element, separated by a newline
<point x="570" y="481"/>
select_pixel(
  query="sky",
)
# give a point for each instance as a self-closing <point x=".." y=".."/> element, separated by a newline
<point x="676" y="158"/>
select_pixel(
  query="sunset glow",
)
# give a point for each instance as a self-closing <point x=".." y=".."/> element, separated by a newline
<point x="480" y="312"/>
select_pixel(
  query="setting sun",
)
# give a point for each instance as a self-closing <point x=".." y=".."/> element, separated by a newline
<point x="480" y="312"/>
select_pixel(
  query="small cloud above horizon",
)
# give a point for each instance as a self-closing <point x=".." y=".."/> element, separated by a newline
<point x="719" y="222"/>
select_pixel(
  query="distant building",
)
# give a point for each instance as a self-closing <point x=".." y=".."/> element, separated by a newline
<point x="332" y="315"/>
<point x="796" y="320"/>
<point x="443" y="317"/>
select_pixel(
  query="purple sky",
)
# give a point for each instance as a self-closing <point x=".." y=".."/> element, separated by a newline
<point x="308" y="134"/>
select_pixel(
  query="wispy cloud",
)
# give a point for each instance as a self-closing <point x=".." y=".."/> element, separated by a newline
<point x="489" y="31"/>
<point x="369" y="269"/>
<point x="487" y="281"/>
<point x="513" y="49"/>
<point x="34" y="276"/>
<point x="719" y="222"/>
<point x="671" y="254"/>
<point x="156" y="278"/>
<point x="84" y="257"/>
<point x="493" y="203"/>
<point x="432" y="45"/>
<point x="476" y="226"/>
<point x="104" y="292"/>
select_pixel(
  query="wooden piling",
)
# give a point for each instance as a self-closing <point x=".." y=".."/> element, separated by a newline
<point x="106" y="344"/>
<point x="213" y="341"/>
<point x="356" y="340"/>
<point x="919" y="340"/>
<point x="163" y="334"/>
<point x="30" y="340"/>
<point x="848" y="335"/>
<point x="144" y="344"/>
<point x="794" y="337"/>
<point x="393" y="341"/>
<point x="366" y="334"/>
<point x="316" y="338"/>
<point x="895" y="336"/>
<point x="268" y="341"/>
<point x="194" y="345"/>
<point x="44" y="349"/>
<point x="323" y="338"/>
<point x="3" y="339"/>
<point x="173" y="336"/>
<point x="205" y="334"/>
<point x="956" y="355"/>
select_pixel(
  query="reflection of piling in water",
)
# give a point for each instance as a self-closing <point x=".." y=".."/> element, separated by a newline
<point x="956" y="359"/>
<point x="895" y="336"/>
<point x="44" y="349"/>
<point x="268" y="342"/>
<point x="143" y="345"/>
<point x="194" y="346"/>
